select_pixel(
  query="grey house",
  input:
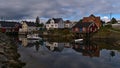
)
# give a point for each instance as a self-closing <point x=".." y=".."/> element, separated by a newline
<point x="55" y="23"/>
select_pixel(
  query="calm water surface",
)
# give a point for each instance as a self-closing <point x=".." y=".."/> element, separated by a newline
<point x="46" y="54"/>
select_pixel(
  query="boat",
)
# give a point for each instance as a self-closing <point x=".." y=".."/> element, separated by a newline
<point x="33" y="37"/>
<point x="78" y="40"/>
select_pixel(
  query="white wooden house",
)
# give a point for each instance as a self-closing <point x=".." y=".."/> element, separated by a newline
<point x="68" y="24"/>
<point x="55" y="23"/>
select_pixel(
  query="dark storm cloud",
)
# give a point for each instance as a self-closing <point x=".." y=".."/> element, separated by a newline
<point x="56" y="8"/>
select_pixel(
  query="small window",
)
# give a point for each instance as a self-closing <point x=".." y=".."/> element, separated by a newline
<point x="76" y="29"/>
<point x="51" y="25"/>
<point x="84" y="29"/>
<point x="81" y="29"/>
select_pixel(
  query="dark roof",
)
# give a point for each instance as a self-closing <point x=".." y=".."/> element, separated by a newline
<point x="8" y="24"/>
<point x="48" y="21"/>
<point x="80" y="25"/>
<point x="30" y="23"/>
<point x="68" y="21"/>
<point x="55" y="19"/>
<point x="92" y="15"/>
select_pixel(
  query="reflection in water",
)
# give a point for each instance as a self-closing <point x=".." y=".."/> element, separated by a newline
<point x="30" y="43"/>
<point x="66" y="55"/>
<point x="37" y="46"/>
<point x="54" y="46"/>
<point x="112" y="53"/>
<point x="86" y="49"/>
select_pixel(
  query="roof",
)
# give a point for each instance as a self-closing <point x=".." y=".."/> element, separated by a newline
<point x="68" y="22"/>
<point x="30" y="23"/>
<point x="48" y="21"/>
<point x="8" y="24"/>
<point x="56" y="20"/>
<point x="91" y="15"/>
<point x="80" y="25"/>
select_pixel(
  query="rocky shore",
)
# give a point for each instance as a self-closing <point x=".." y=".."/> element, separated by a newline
<point x="9" y="57"/>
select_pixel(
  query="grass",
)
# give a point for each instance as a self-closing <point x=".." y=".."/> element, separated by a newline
<point x="106" y="32"/>
<point x="108" y="38"/>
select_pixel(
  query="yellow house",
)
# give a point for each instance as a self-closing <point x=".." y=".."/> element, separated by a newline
<point x="24" y="27"/>
<point x="27" y="27"/>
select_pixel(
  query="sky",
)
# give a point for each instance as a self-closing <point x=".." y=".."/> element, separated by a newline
<point x="66" y="9"/>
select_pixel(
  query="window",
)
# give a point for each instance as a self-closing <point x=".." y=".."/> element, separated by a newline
<point x="52" y="21"/>
<point x="90" y="29"/>
<point x="80" y="29"/>
<point x="76" y="29"/>
<point x="51" y="25"/>
<point x="84" y="29"/>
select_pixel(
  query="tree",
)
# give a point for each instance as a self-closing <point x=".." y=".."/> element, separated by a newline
<point x="41" y="25"/>
<point x="37" y="21"/>
<point x="80" y="20"/>
<point x="113" y="21"/>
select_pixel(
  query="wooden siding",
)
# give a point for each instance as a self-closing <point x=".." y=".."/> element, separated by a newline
<point x="91" y="28"/>
<point x="94" y="19"/>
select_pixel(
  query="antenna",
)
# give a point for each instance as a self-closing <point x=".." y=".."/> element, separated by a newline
<point x="110" y="16"/>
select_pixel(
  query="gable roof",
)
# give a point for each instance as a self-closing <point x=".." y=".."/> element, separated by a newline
<point x="8" y="24"/>
<point x="30" y="23"/>
<point x="48" y="22"/>
<point x="56" y="20"/>
<point x="91" y="17"/>
<point x="80" y="25"/>
<point x="94" y="19"/>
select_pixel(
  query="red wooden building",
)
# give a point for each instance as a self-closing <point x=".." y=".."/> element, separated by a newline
<point x="93" y="19"/>
<point x="6" y="26"/>
<point x="86" y="27"/>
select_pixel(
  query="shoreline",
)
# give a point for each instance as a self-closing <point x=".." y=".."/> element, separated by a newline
<point x="8" y="53"/>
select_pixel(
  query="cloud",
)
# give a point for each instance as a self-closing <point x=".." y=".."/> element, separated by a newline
<point x="56" y="8"/>
<point x="105" y="18"/>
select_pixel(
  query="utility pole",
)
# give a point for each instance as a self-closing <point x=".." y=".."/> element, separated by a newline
<point x="110" y="16"/>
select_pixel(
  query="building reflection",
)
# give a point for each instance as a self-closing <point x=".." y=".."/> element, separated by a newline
<point x="30" y="43"/>
<point x="87" y="49"/>
<point x="24" y="41"/>
<point x="55" y="46"/>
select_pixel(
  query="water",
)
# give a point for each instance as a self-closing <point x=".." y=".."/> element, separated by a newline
<point x="46" y="54"/>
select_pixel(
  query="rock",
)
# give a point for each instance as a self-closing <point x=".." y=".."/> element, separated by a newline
<point x="9" y="54"/>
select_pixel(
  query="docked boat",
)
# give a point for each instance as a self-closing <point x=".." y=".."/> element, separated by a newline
<point x="33" y="37"/>
<point x="78" y="40"/>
